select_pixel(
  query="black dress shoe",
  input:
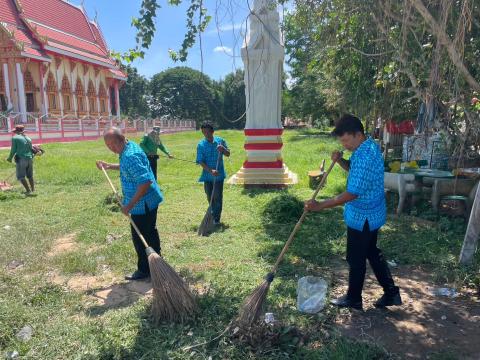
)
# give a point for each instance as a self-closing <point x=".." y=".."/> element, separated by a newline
<point x="137" y="275"/>
<point x="389" y="300"/>
<point x="345" y="302"/>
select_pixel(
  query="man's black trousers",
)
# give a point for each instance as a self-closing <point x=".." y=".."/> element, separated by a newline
<point x="152" y="159"/>
<point x="147" y="224"/>
<point x="362" y="245"/>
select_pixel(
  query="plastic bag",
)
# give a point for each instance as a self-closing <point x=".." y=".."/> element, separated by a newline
<point x="311" y="294"/>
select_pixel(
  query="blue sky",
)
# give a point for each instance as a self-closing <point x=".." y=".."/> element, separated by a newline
<point x="221" y="41"/>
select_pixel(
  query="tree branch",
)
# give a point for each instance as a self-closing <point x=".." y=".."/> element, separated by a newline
<point x="445" y="40"/>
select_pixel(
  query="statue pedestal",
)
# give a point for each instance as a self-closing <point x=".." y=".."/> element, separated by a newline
<point x="264" y="166"/>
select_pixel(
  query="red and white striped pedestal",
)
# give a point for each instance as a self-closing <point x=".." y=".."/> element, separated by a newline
<point x="264" y="165"/>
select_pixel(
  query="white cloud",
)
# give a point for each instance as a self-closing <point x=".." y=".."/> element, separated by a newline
<point x="230" y="27"/>
<point x="215" y="29"/>
<point x="224" y="49"/>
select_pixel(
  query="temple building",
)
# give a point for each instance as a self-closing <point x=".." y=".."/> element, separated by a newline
<point x="54" y="64"/>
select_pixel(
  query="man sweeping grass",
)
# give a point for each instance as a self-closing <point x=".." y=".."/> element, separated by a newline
<point x="141" y="195"/>
<point x="365" y="212"/>
<point x="210" y="153"/>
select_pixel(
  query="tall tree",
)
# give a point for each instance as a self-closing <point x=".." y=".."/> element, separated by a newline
<point x="234" y="100"/>
<point x="134" y="94"/>
<point x="185" y="93"/>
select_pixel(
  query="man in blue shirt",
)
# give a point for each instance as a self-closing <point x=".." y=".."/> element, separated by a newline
<point x="141" y="195"/>
<point x="365" y="212"/>
<point x="209" y="150"/>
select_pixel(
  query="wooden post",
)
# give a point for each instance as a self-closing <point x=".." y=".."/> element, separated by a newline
<point x="470" y="242"/>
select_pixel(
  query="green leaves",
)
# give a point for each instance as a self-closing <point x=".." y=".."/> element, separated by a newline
<point x="194" y="27"/>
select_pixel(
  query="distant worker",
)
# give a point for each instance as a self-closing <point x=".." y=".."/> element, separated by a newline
<point x="150" y="144"/>
<point x="22" y="152"/>
<point x="209" y="150"/>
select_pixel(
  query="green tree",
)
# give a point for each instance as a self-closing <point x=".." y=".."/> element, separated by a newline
<point x="185" y="93"/>
<point x="233" y="95"/>
<point x="134" y="94"/>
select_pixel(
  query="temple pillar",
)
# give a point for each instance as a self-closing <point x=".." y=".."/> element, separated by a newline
<point x="22" y="104"/>
<point x="43" y="89"/>
<point x="6" y="80"/>
<point x="117" y="99"/>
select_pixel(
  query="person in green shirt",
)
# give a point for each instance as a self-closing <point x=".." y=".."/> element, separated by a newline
<point x="150" y="144"/>
<point x="22" y="151"/>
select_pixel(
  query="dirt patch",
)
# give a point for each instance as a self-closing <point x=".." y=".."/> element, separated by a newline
<point x="62" y="245"/>
<point x="424" y="325"/>
<point x="123" y="294"/>
<point x="81" y="282"/>
<point x="206" y="264"/>
<point x="105" y="291"/>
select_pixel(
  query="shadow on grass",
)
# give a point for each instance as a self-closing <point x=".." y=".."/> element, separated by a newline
<point x="252" y="191"/>
<point x="209" y="328"/>
<point x="421" y="334"/>
<point x="311" y="133"/>
<point x="10" y="195"/>
<point x="125" y="294"/>
<point x="315" y="243"/>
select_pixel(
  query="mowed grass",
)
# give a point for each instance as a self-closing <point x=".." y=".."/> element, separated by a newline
<point x="72" y="199"/>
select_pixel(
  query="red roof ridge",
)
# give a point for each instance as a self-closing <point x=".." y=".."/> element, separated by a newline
<point x="33" y="29"/>
<point x="73" y="5"/>
<point x="97" y="25"/>
<point x="84" y="12"/>
<point x="60" y="31"/>
<point x="18" y="5"/>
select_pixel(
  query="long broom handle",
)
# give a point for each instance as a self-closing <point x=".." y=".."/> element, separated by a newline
<point x="300" y="221"/>
<point x="129" y="217"/>
<point x="178" y="159"/>
<point x="214" y="180"/>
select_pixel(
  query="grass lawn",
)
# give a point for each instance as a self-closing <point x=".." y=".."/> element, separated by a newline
<point x="72" y="199"/>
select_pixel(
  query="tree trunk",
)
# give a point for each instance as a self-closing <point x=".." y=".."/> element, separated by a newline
<point x="443" y="37"/>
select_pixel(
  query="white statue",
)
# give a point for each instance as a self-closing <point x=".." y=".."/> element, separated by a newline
<point x="262" y="55"/>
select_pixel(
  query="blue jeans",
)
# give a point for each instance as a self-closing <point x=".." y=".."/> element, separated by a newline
<point x="217" y="197"/>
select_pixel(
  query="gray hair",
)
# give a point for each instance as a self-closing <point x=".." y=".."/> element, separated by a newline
<point x="115" y="133"/>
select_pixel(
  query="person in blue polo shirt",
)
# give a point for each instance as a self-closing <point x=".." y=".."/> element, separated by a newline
<point x="364" y="213"/>
<point x="141" y="195"/>
<point x="208" y="151"/>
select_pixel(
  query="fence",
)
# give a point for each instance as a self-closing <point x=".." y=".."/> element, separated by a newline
<point x="42" y="129"/>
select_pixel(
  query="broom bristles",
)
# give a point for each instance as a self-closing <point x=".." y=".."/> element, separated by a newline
<point x="206" y="224"/>
<point x="172" y="299"/>
<point x="251" y="309"/>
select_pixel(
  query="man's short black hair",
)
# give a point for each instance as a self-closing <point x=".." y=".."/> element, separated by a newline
<point x="207" y="125"/>
<point x="348" y="124"/>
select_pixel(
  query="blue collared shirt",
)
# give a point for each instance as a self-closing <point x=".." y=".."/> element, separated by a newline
<point x="134" y="171"/>
<point x="365" y="179"/>
<point x="207" y="153"/>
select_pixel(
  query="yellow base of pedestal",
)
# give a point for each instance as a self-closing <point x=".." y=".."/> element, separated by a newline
<point x="279" y="177"/>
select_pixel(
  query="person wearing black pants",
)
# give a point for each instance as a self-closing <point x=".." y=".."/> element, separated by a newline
<point x="365" y="212"/>
<point x="141" y="195"/>
<point x="217" y="201"/>
<point x="362" y="245"/>
<point x="210" y="152"/>
<point x="153" y="159"/>
<point x="147" y="224"/>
